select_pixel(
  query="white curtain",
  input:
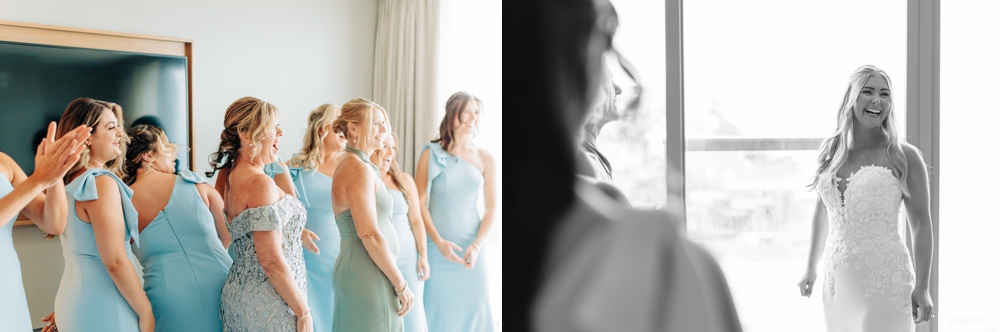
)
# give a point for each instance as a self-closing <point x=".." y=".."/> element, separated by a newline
<point x="406" y="68"/>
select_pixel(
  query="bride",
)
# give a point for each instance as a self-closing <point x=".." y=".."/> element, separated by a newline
<point x="865" y="172"/>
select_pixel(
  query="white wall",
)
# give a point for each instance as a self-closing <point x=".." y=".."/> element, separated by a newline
<point x="294" y="54"/>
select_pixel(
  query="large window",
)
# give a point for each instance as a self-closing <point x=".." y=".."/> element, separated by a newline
<point x="969" y="222"/>
<point x="763" y="82"/>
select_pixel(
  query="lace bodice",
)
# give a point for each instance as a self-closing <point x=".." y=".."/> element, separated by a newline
<point x="865" y="232"/>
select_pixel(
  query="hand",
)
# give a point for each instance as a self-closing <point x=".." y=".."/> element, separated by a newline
<point x="54" y="158"/>
<point x="471" y="255"/>
<point x="423" y="269"/>
<point x="304" y="324"/>
<point x="406" y="300"/>
<point x="307" y="240"/>
<point x="807" y="283"/>
<point x="448" y="251"/>
<point x="146" y="322"/>
<point x="923" y="308"/>
<point x="50" y="323"/>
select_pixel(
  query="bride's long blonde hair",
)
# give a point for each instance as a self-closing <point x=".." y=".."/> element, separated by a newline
<point x="834" y="149"/>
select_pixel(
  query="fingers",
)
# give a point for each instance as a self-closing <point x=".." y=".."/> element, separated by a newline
<point x="424" y="272"/>
<point x="455" y="246"/>
<point x="51" y="134"/>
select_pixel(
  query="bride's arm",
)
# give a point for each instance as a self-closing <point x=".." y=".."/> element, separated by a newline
<point x="819" y="232"/>
<point x="921" y="228"/>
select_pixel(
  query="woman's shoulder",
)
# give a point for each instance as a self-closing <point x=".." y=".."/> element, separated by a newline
<point x="7" y="165"/>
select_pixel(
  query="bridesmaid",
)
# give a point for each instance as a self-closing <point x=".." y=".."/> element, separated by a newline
<point x="451" y="172"/>
<point x="20" y="193"/>
<point x="266" y="286"/>
<point x="99" y="290"/>
<point x="371" y="293"/>
<point x="183" y="235"/>
<point x="412" y="260"/>
<point x="312" y="170"/>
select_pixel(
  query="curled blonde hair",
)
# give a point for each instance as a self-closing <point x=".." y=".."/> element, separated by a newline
<point x="86" y="111"/>
<point x="247" y="115"/>
<point x="312" y="143"/>
<point x="835" y="148"/>
<point x="359" y="112"/>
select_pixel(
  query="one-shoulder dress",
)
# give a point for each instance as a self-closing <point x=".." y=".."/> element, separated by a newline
<point x="87" y="299"/>
<point x="313" y="189"/>
<point x="183" y="263"/>
<point x="455" y="298"/>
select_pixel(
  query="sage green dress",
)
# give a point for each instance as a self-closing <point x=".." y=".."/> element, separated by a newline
<point x="364" y="299"/>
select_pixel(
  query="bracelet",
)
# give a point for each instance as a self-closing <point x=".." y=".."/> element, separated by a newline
<point x="305" y="314"/>
<point x="404" y="288"/>
<point x="477" y="246"/>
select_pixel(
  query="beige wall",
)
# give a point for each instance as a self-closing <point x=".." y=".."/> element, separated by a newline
<point x="294" y="54"/>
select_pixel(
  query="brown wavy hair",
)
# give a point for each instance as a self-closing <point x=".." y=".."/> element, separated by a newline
<point x="87" y="111"/>
<point x="453" y="113"/>
<point x="247" y="115"/>
<point x="143" y="138"/>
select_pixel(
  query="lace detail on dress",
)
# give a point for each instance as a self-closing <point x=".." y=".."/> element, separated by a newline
<point x="249" y="301"/>
<point x="865" y="233"/>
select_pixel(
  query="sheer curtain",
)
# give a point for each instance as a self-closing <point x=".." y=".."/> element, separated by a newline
<point x="471" y="60"/>
<point x="405" y="77"/>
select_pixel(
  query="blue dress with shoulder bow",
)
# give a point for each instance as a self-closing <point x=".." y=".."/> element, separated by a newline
<point x="183" y="262"/>
<point x="313" y="189"/>
<point x="455" y="298"/>
<point x="87" y="299"/>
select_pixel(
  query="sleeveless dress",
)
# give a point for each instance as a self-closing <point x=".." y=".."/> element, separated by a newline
<point x="87" y="299"/>
<point x="455" y="298"/>
<point x="271" y="170"/>
<point x="869" y="274"/>
<point x="14" y="304"/>
<point x="415" y="320"/>
<point x="183" y="262"/>
<point x="249" y="301"/>
<point x="365" y="299"/>
<point x="313" y="189"/>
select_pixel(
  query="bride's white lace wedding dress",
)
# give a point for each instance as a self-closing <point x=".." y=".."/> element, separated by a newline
<point x="869" y="272"/>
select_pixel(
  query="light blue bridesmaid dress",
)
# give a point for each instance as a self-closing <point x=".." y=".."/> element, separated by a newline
<point x="13" y="304"/>
<point x="313" y="189"/>
<point x="183" y="263"/>
<point x="455" y="298"/>
<point x="269" y="169"/>
<point x="414" y="321"/>
<point x="87" y="299"/>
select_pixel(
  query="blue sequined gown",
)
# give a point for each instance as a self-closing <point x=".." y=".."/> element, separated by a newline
<point x="366" y="300"/>
<point x="87" y="299"/>
<point x="13" y="304"/>
<point x="455" y="298"/>
<point x="414" y="321"/>
<point x="313" y="189"/>
<point x="249" y="300"/>
<point x="183" y="263"/>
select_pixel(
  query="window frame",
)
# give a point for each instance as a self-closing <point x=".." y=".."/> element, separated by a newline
<point x="923" y="49"/>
